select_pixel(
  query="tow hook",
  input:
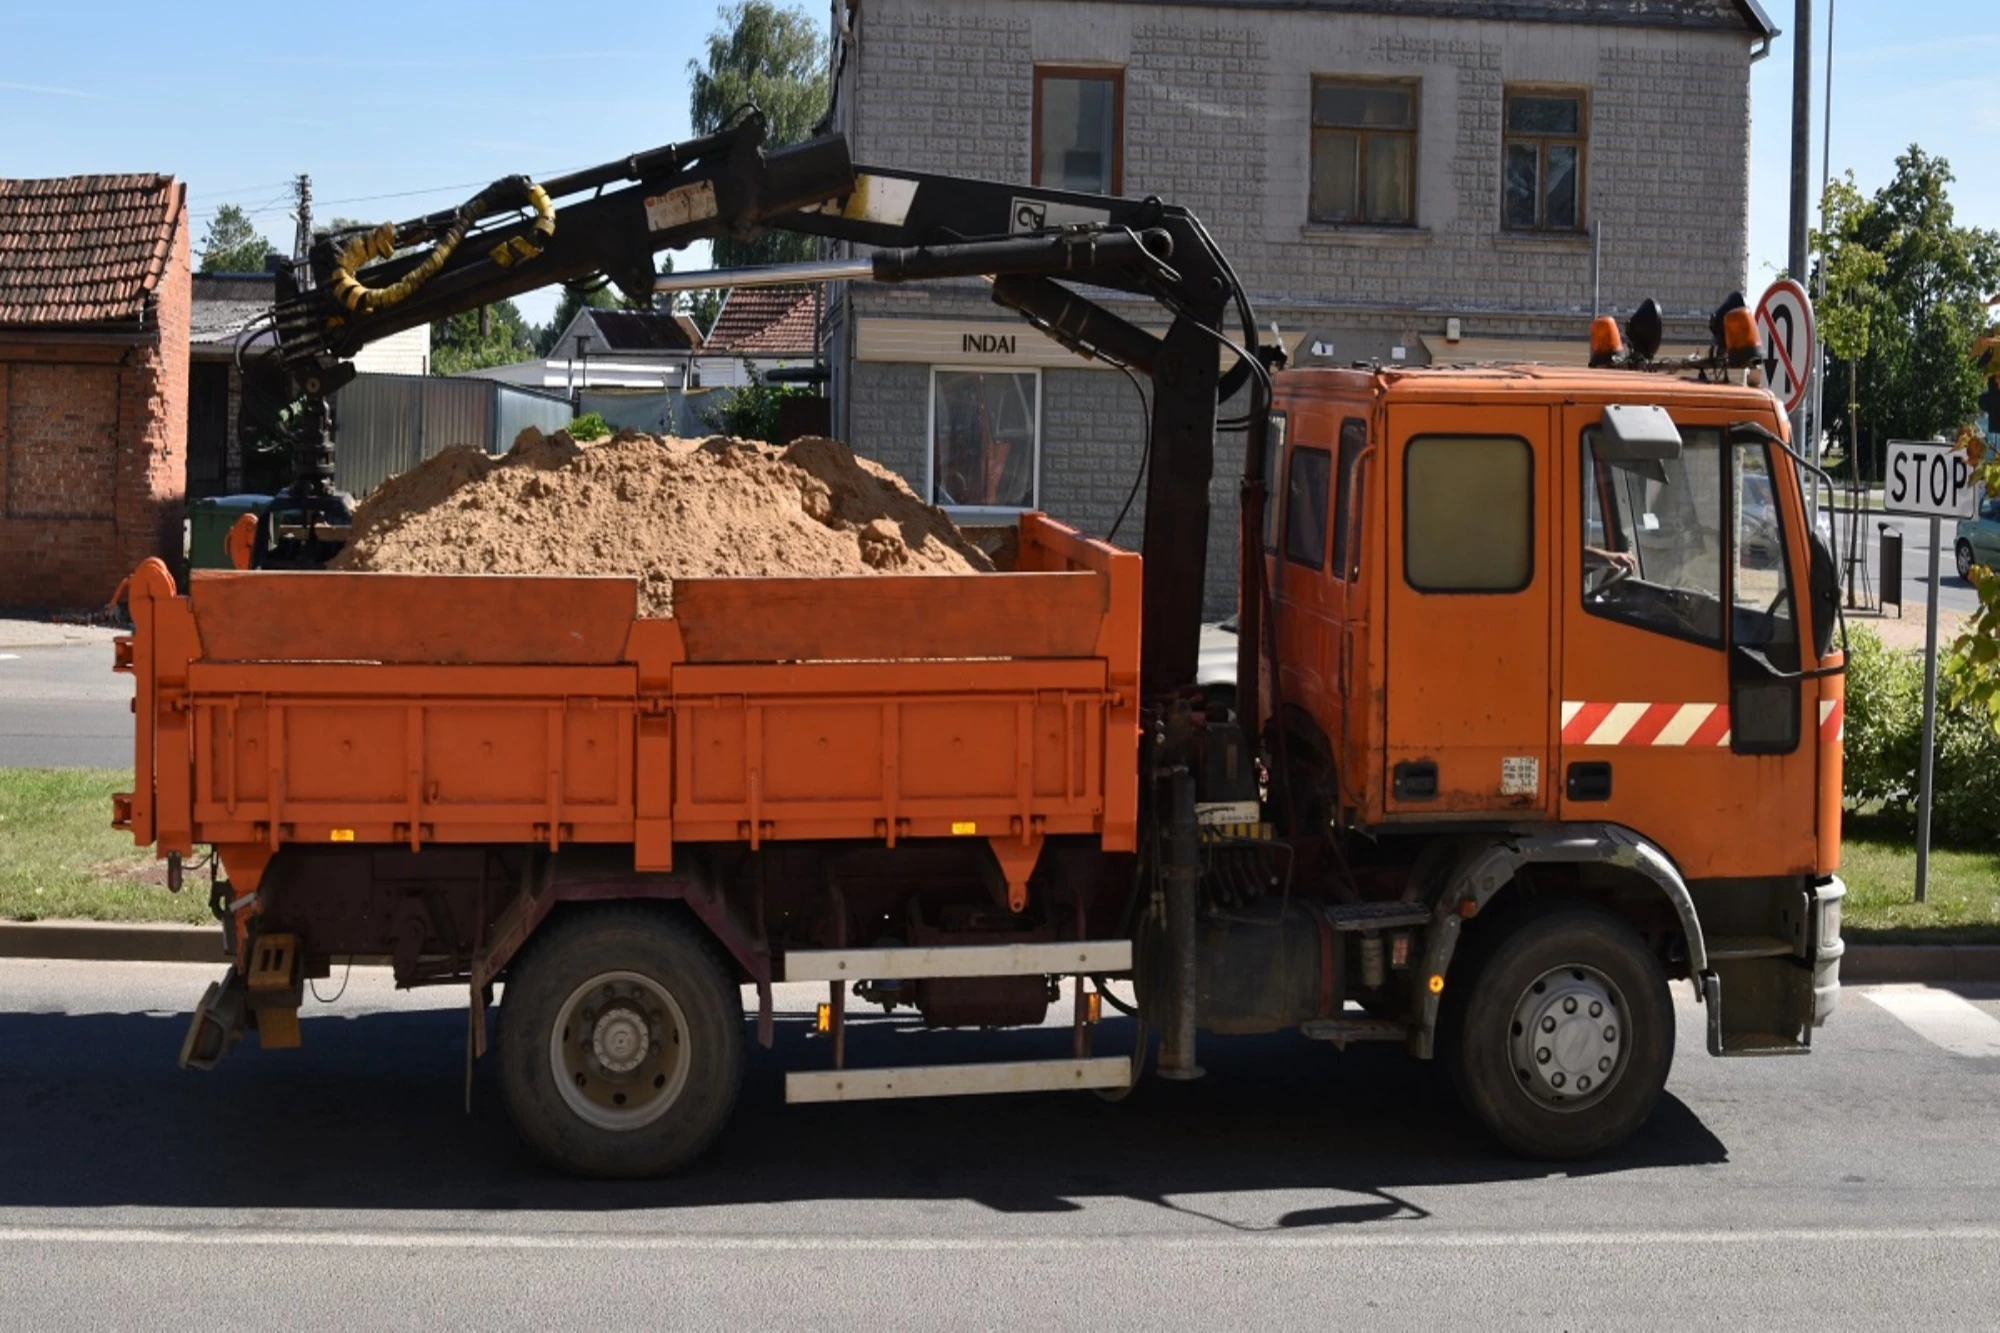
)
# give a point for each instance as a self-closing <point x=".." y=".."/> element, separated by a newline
<point x="219" y="1020"/>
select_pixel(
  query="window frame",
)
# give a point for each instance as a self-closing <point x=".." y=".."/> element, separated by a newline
<point x="930" y="442"/>
<point x="1414" y="87"/>
<point x="1580" y="141"/>
<point x="1528" y="577"/>
<point x="1325" y="495"/>
<point x="1115" y="75"/>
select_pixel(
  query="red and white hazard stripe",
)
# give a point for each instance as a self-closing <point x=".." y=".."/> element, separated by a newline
<point x="1676" y="724"/>
<point x="1832" y="719"/>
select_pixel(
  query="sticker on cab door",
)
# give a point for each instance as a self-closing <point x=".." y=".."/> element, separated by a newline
<point x="1520" y="775"/>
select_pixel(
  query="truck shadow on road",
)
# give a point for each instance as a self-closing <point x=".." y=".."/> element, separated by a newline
<point x="369" y="1115"/>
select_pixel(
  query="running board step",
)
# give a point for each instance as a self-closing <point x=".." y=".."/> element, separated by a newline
<point x="1376" y="916"/>
<point x="959" y="960"/>
<point x="863" y="1085"/>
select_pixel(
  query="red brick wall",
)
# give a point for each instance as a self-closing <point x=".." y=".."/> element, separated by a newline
<point x="93" y="454"/>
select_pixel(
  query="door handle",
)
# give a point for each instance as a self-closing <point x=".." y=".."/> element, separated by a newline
<point x="1588" y="782"/>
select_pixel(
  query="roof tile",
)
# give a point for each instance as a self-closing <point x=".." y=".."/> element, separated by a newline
<point x="765" y="321"/>
<point x="85" y="249"/>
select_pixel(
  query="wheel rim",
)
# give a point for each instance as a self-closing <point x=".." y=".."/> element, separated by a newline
<point x="1569" y="1038"/>
<point x="1963" y="553"/>
<point x="619" y="1050"/>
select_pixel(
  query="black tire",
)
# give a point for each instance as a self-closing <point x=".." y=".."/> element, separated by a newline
<point x="657" y="994"/>
<point x="1961" y="553"/>
<point x="1580" y="956"/>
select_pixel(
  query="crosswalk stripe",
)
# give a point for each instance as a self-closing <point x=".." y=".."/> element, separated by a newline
<point x="1942" y="1018"/>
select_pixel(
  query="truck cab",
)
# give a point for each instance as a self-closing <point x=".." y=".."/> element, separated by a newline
<point x="1581" y="607"/>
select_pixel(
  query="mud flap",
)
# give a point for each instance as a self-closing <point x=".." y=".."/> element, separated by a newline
<point x="219" y="1020"/>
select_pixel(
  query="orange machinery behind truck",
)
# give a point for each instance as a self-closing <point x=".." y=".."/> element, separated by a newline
<point x="1538" y="709"/>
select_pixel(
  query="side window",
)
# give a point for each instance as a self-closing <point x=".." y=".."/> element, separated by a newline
<point x="1468" y="513"/>
<point x="1274" y="459"/>
<point x="1652" y="538"/>
<point x="1305" y="507"/>
<point x="1353" y="439"/>
<point x="1762" y="617"/>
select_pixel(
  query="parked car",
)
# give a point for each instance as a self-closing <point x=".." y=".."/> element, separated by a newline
<point x="1977" y="541"/>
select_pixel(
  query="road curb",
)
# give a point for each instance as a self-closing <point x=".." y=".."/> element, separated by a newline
<point x="1870" y="963"/>
<point x="111" y="942"/>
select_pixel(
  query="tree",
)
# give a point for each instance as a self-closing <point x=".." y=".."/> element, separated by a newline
<point x="571" y="301"/>
<point x="700" y="305"/>
<point x="458" y="345"/>
<point x="232" y="244"/>
<point x="1915" y="379"/>
<point x="750" y="412"/>
<point x="776" y="59"/>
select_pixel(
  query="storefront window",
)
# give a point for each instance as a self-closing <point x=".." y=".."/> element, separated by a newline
<point x="985" y="437"/>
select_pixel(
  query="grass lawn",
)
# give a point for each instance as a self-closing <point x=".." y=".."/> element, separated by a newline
<point x="59" y="856"/>
<point x="1878" y="859"/>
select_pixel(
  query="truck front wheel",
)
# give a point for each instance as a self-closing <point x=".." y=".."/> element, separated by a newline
<point x="621" y="1042"/>
<point x="1567" y="1033"/>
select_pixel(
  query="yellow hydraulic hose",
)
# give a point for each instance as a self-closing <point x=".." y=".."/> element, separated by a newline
<point x="380" y="243"/>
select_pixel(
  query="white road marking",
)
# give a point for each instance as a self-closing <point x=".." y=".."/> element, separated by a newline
<point x="596" y="1240"/>
<point x="1942" y="1018"/>
<point x="10" y="657"/>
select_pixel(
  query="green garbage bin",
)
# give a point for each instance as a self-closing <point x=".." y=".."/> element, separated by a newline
<point x="209" y="522"/>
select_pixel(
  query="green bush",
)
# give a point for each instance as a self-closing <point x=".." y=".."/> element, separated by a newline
<point x="590" y="426"/>
<point x="1884" y="740"/>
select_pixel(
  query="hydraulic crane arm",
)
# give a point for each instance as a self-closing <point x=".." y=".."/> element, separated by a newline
<point x="1031" y="243"/>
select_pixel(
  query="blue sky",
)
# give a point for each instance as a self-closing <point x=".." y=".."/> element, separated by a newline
<point x="396" y="109"/>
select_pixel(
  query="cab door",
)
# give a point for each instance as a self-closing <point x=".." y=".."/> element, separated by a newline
<point x="1467" y="724"/>
<point x="1681" y="705"/>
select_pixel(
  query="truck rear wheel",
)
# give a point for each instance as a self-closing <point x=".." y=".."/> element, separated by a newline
<point x="1567" y="1033"/>
<point x="621" y="1042"/>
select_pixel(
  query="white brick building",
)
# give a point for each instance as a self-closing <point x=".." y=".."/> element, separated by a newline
<point x="1395" y="179"/>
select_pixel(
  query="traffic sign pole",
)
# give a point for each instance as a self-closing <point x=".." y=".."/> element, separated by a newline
<point x="1930" y="721"/>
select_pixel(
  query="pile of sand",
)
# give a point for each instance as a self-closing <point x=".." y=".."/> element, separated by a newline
<point x="658" y="509"/>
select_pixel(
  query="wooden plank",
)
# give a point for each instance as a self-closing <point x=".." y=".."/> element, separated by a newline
<point x="866" y="617"/>
<point x="861" y="1085"/>
<point x="959" y="960"/>
<point x="283" y="616"/>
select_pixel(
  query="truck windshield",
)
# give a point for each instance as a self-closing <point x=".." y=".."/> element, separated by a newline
<point x="1652" y="544"/>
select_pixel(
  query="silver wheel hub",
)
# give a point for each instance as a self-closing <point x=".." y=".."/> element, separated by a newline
<point x="619" y="1040"/>
<point x="1568" y="1038"/>
<point x="619" y="1051"/>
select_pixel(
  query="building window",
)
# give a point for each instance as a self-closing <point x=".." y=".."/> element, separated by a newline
<point x="1543" y="163"/>
<point x="1468" y="514"/>
<point x="1079" y="129"/>
<point x="985" y="438"/>
<point x="1364" y="153"/>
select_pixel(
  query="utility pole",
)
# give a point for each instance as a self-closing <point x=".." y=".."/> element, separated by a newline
<point x="1796" y="263"/>
<point x="303" y="237"/>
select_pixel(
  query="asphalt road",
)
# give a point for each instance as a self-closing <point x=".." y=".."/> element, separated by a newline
<point x="343" y="1185"/>
<point x="61" y="705"/>
<point x="1954" y="593"/>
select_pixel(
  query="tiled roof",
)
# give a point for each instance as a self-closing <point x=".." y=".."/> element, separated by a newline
<point x="227" y="303"/>
<point x="764" y="321"/>
<point x="85" y="250"/>
<point x="644" y="331"/>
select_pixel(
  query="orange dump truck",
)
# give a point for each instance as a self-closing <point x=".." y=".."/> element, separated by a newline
<point x="1536" y="709"/>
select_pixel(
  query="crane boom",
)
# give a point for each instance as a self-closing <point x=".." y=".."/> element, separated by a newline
<point x="1036" y="246"/>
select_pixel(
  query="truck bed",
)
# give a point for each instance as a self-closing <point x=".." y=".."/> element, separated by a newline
<point x="278" y="708"/>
